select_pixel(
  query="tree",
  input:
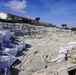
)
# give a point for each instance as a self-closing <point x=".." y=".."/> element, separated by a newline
<point x="64" y="25"/>
<point x="37" y="19"/>
<point x="73" y="29"/>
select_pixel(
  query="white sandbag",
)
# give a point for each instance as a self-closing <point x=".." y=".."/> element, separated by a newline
<point x="12" y="51"/>
<point x="19" y="47"/>
<point x="6" y="58"/>
<point x="60" y="58"/>
<point x="6" y="35"/>
<point x="11" y="45"/>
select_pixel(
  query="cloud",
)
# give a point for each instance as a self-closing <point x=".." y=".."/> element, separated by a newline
<point x="16" y="5"/>
<point x="49" y="4"/>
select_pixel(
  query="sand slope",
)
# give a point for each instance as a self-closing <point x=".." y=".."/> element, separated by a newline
<point x="40" y="51"/>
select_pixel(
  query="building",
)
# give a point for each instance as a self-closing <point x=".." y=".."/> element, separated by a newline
<point x="7" y="17"/>
<point x="3" y="15"/>
<point x="15" y="18"/>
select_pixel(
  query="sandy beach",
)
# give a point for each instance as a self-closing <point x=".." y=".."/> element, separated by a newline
<point x="39" y="52"/>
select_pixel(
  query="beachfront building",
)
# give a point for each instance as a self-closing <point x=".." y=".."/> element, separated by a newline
<point x="11" y="18"/>
<point x="15" y="18"/>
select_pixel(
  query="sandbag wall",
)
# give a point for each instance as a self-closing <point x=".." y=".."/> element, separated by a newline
<point x="30" y="28"/>
<point x="9" y="48"/>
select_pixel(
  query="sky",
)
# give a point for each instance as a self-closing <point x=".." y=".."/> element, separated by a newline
<point x="56" y="12"/>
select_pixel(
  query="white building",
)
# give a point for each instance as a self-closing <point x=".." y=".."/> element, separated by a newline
<point x="3" y="15"/>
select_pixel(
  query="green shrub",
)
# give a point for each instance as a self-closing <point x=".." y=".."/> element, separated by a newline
<point x="73" y="29"/>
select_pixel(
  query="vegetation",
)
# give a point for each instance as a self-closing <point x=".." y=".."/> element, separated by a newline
<point x="64" y="25"/>
<point x="65" y="28"/>
<point x="73" y="29"/>
<point x="32" y="22"/>
<point x="37" y="19"/>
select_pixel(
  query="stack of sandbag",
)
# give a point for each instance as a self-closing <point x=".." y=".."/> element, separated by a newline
<point x="12" y="51"/>
<point x="11" y="47"/>
<point x="6" y="37"/>
<point x="8" y="50"/>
